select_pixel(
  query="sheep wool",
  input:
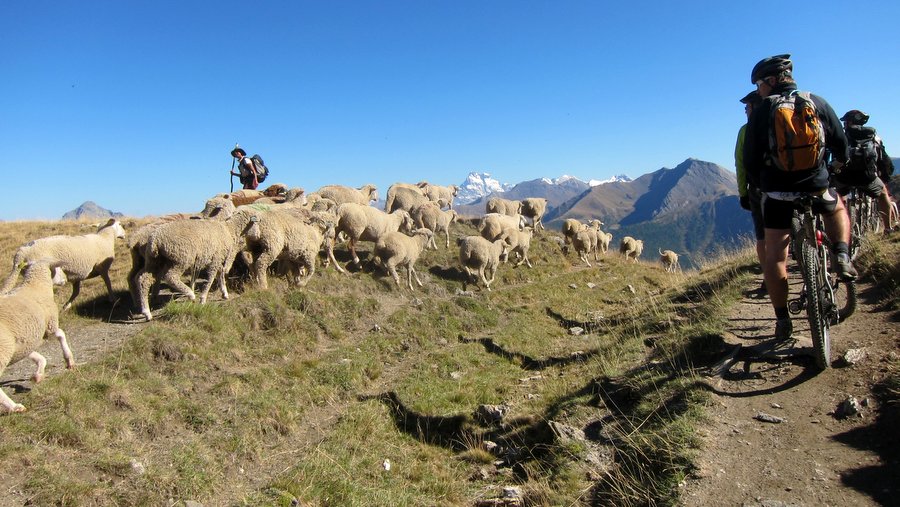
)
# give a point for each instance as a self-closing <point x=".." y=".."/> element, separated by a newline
<point x="478" y="255"/>
<point x="397" y="249"/>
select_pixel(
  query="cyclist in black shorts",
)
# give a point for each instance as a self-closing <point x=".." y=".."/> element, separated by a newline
<point x="748" y="188"/>
<point x="774" y="80"/>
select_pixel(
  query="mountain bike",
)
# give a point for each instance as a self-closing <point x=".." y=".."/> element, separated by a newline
<point x="864" y="218"/>
<point x="812" y="251"/>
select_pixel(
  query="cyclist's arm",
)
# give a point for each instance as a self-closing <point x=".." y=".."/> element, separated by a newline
<point x="835" y="138"/>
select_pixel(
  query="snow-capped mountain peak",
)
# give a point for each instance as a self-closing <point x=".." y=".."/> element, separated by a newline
<point x="478" y="185"/>
<point x="621" y="177"/>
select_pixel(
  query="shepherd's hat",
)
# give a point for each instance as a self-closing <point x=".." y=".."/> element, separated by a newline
<point x="237" y="149"/>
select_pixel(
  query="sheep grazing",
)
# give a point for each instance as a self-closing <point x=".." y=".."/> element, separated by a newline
<point x="631" y="248"/>
<point x="534" y="208"/>
<point x="442" y="195"/>
<point x="195" y="245"/>
<point x="341" y="194"/>
<point x="519" y="242"/>
<point x="503" y="206"/>
<point x="406" y="199"/>
<point x="493" y="225"/>
<point x="669" y="260"/>
<point x="290" y="235"/>
<point x="478" y="255"/>
<point x="430" y="216"/>
<point x="27" y="314"/>
<point x="77" y="257"/>
<point x="365" y="223"/>
<point x="397" y="249"/>
<point x="392" y="193"/>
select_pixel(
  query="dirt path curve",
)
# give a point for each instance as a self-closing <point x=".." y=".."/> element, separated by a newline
<point x="812" y="457"/>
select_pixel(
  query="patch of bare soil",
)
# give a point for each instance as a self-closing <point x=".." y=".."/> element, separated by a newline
<point x="810" y="453"/>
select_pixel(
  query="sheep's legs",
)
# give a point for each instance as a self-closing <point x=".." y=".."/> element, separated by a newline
<point x="9" y="404"/>
<point x="211" y="275"/>
<point x="411" y="269"/>
<point x="109" y="290"/>
<point x="40" y="362"/>
<point x="352" y="245"/>
<point x="260" y="269"/>
<point x="172" y="277"/>
<point x="76" y="288"/>
<point x="64" y="345"/>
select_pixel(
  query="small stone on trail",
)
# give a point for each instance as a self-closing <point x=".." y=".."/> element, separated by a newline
<point x="854" y="356"/>
<point x="775" y="405"/>
<point x="764" y="417"/>
<point x="456" y="375"/>
<point x="576" y="331"/>
<point x="591" y="285"/>
<point x="848" y="407"/>
<point x="573" y="286"/>
<point x="630" y="289"/>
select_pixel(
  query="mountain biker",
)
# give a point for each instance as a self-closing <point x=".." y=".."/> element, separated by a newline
<point x="246" y="172"/>
<point x="871" y="184"/>
<point x="748" y="188"/>
<point x="773" y="76"/>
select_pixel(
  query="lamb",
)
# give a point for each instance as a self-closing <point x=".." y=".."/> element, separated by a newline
<point x="430" y="216"/>
<point x="392" y="191"/>
<point x="196" y="245"/>
<point x="364" y="223"/>
<point x="493" y="225"/>
<point x="406" y="199"/>
<point x="669" y="260"/>
<point x="503" y="206"/>
<point x="477" y="254"/>
<point x="293" y="235"/>
<point x="519" y="242"/>
<point x="341" y="194"/>
<point x="28" y="314"/>
<point x="534" y="208"/>
<point x="77" y="257"/>
<point x="631" y="248"/>
<point x="397" y="249"/>
<point x="442" y="195"/>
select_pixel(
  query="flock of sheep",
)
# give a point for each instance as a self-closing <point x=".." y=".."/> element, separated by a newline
<point x="280" y="224"/>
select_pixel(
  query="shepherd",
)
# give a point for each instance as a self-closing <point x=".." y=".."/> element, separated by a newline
<point x="246" y="171"/>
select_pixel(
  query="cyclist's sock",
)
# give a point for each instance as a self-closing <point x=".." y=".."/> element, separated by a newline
<point x="841" y="247"/>
<point x="782" y="313"/>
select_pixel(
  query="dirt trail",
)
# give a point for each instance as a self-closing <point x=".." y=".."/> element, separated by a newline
<point x="812" y="457"/>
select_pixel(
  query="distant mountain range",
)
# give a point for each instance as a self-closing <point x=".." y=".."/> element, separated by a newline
<point x="692" y="208"/>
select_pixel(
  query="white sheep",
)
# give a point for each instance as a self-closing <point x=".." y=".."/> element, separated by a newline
<point x="392" y="192"/>
<point x="431" y="216"/>
<point x="27" y="314"/>
<point x="78" y="257"/>
<point x="293" y="235"/>
<point x="584" y="242"/>
<point x="195" y="245"/>
<point x="341" y="194"/>
<point x="605" y="240"/>
<point x="478" y="255"/>
<point x="442" y="195"/>
<point x="503" y="206"/>
<point x="631" y="248"/>
<point x="534" y="208"/>
<point x="365" y="223"/>
<point x="397" y="249"/>
<point x="518" y="243"/>
<point x="493" y="225"/>
<point x="669" y="260"/>
<point x="406" y="199"/>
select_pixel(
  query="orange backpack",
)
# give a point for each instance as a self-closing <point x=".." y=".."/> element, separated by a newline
<point x="796" y="135"/>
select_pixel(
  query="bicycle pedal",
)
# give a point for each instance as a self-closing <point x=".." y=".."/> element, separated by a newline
<point x="795" y="306"/>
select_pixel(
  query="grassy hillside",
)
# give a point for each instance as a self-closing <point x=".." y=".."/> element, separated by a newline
<point x="301" y="396"/>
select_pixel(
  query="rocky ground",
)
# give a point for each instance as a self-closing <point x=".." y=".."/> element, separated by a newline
<point x="780" y="433"/>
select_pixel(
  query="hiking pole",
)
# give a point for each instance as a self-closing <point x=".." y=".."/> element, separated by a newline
<point x="232" y="174"/>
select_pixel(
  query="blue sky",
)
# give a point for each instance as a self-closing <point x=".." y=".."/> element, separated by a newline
<point x="135" y="105"/>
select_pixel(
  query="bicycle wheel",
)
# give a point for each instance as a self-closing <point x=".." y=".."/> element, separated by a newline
<point x="855" y="230"/>
<point x="814" y="277"/>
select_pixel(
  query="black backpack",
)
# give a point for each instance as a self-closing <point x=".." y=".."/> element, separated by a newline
<point x="261" y="170"/>
<point x="863" y="151"/>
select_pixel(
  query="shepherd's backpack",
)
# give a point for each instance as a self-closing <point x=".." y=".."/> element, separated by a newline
<point x="261" y="170"/>
<point x="863" y="151"/>
<point x="796" y="135"/>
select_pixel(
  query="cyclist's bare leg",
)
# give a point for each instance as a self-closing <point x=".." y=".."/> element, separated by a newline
<point x="884" y="209"/>
<point x="837" y="224"/>
<point x="775" y="265"/>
